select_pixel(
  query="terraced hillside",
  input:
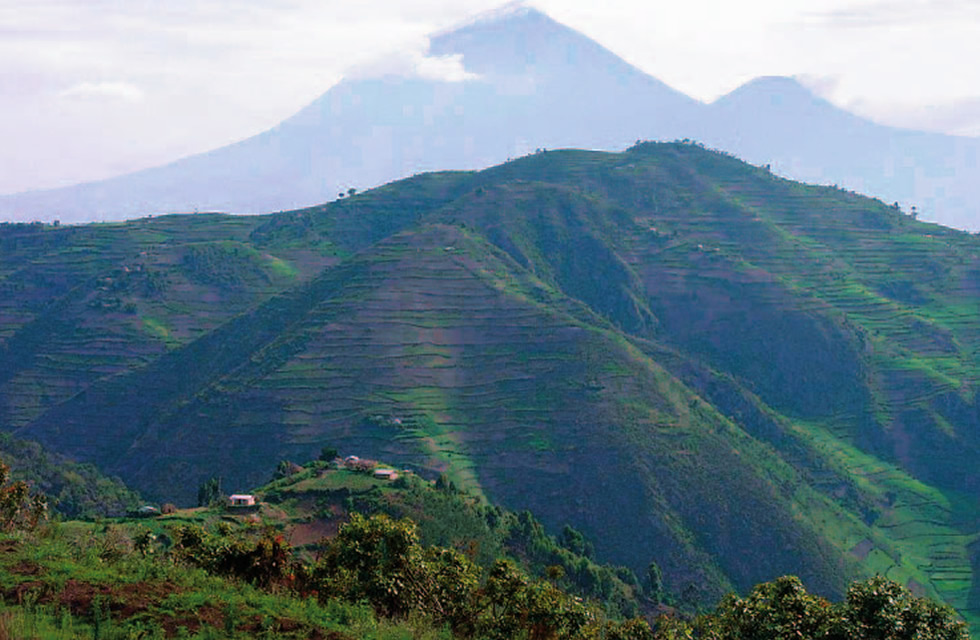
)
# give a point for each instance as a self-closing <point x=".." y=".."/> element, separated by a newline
<point x="83" y="303"/>
<point x="683" y="356"/>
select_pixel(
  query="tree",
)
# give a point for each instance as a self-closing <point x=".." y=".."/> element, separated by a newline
<point x="885" y="610"/>
<point x="286" y="468"/>
<point x="772" y="611"/>
<point x="18" y="507"/>
<point x="516" y="606"/>
<point x="328" y="453"/>
<point x="631" y="629"/>
<point x="573" y="540"/>
<point x="380" y="560"/>
<point x="443" y="483"/>
<point x="209" y="492"/>
<point x="876" y="609"/>
<point x="655" y="583"/>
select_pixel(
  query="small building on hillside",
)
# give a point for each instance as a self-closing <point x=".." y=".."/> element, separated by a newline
<point x="241" y="500"/>
<point x="353" y="463"/>
<point x="386" y="474"/>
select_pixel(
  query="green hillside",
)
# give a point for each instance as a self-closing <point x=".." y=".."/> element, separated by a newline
<point x="330" y="550"/>
<point x="684" y="357"/>
<point x="73" y="490"/>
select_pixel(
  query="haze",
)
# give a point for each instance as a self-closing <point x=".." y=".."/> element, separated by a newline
<point x="96" y="88"/>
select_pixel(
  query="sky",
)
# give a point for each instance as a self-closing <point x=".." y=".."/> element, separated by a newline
<point x="95" y="88"/>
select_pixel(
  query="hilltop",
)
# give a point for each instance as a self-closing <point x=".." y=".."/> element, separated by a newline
<point x="682" y="356"/>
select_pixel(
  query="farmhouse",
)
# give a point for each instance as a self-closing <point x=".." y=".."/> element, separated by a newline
<point x="386" y="474"/>
<point x="239" y="500"/>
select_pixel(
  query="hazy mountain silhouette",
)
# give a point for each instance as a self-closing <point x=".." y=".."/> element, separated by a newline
<point x="777" y="121"/>
<point x="539" y="84"/>
<point x="531" y="83"/>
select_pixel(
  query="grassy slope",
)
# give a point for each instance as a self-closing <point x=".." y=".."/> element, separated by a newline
<point x="79" y="580"/>
<point x="554" y="343"/>
<point x="81" y="304"/>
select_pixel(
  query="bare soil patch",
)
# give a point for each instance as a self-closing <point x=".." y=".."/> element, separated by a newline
<point x="862" y="549"/>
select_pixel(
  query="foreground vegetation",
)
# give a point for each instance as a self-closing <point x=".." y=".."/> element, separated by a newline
<point x="225" y="576"/>
<point x="319" y="495"/>
<point x="73" y="490"/>
<point x="375" y="580"/>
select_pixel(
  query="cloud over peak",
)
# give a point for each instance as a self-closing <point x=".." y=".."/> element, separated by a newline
<point x="112" y="90"/>
<point x="414" y="64"/>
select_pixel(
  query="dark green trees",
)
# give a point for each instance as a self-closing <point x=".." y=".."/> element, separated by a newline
<point x="209" y="492"/>
<point x="876" y="609"/>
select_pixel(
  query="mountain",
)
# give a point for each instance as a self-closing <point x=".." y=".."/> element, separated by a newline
<point x="777" y="121"/>
<point x="684" y="356"/>
<point x="537" y="83"/>
<point x="526" y="82"/>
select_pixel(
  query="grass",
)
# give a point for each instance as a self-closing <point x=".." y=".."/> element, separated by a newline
<point x="70" y="582"/>
<point x="918" y="536"/>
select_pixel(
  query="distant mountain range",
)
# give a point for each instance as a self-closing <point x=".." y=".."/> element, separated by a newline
<point x="533" y="83"/>
<point x="682" y="355"/>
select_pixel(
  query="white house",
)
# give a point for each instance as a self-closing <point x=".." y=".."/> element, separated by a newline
<point x="241" y="500"/>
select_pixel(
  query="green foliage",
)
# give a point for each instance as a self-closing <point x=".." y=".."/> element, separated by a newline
<point x="228" y="581"/>
<point x="380" y="560"/>
<point x="574" y="541"/>
<point x="284" y="469"/>
<point x="876" y="609"/>
<point x="262" y="562"/>
<point x="618" y="589"/>
<point x="484" y="533"/>
<point x="74" y="490"/>
<point x="655" y="582"/>
<point x="880" y="609"/>
<point x="19" y="509"/>
<point x="772" y="611"/>
<point x="224" y="264"/>
<point x="72" y="589"/>
<point x="209" y="492"/>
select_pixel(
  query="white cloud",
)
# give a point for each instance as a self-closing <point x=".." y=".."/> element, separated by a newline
<point x="124" y="91"/>
<point x="865" y="14"/>
<point x="824" y="86"/>
<point x="414" y="64"/>
<point x="445" y="68"/>
<point x="961" y="117"/>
